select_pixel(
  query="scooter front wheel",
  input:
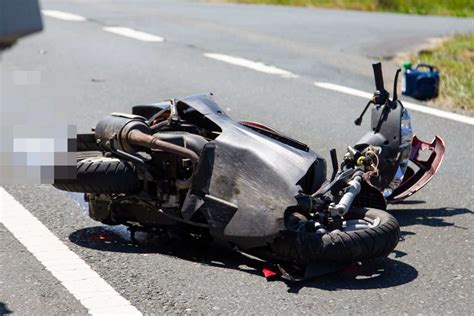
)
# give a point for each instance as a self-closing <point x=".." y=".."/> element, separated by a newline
<point x="366" y="234"/>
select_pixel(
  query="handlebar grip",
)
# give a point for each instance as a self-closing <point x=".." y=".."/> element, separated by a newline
<point x="378" y="76"/>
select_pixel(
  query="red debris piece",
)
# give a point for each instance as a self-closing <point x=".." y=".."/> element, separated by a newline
<point x="267" y="273"/>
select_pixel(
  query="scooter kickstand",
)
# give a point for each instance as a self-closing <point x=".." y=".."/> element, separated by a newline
<point x="133" y="232"/>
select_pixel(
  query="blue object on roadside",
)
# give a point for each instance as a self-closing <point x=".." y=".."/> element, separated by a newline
<point x="420" y="82"/>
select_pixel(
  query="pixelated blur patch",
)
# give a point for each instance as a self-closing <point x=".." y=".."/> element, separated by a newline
<point x="38" y="155"/>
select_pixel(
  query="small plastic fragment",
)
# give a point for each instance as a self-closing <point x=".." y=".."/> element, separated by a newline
<point x="268" y="274"/>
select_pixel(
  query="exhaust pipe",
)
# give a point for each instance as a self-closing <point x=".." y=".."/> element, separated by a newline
<point x="128" y="132"/>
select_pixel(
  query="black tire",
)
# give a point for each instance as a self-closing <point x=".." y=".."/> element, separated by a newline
<point x="102" y="175"/>
<point x="306" y="247"/>
<point x="81" y="155"/>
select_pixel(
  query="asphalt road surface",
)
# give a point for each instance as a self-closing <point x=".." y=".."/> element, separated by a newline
<point x="80" y="71"/>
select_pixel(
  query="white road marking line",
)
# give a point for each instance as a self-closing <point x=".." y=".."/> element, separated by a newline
<point x="257" y="66"/>
<point x="411" y="106"/>
<point x="96" y="295"/>
<point x="141" y="36"/>
<point x="63" y="15"/>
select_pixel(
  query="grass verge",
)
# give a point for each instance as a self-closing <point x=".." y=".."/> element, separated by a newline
<point x="460" y="8"/>
<point x="455" y="61"/>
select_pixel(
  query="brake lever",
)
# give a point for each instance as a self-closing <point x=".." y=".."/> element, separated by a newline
<point x="358" y="121"/>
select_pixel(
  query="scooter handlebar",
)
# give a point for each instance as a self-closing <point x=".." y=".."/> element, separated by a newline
<point x="378" y="77"/>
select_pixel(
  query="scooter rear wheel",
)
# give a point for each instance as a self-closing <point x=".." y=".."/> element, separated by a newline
<point x="102" y="175"/>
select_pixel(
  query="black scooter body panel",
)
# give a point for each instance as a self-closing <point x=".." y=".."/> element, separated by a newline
<point x="256" y="173"/>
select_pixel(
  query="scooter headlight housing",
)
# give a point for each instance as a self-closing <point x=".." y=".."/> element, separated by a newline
<point x="406" y="136"/>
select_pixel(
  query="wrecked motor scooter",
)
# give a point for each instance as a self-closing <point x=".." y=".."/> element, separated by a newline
<point x="184" y="164"/>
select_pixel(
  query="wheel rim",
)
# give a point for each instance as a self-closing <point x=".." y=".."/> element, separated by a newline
<point x="359" y="224"/>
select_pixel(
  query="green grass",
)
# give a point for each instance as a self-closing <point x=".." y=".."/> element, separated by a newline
<point x="461" y="8"/>
<point x="455" y="60"/>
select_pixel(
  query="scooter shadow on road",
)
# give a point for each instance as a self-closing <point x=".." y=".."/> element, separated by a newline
<point x="106" y="238"/>
<point x="381" y="273"/>
<point x="375" y="274"/>
<point x="435" y="217"/>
